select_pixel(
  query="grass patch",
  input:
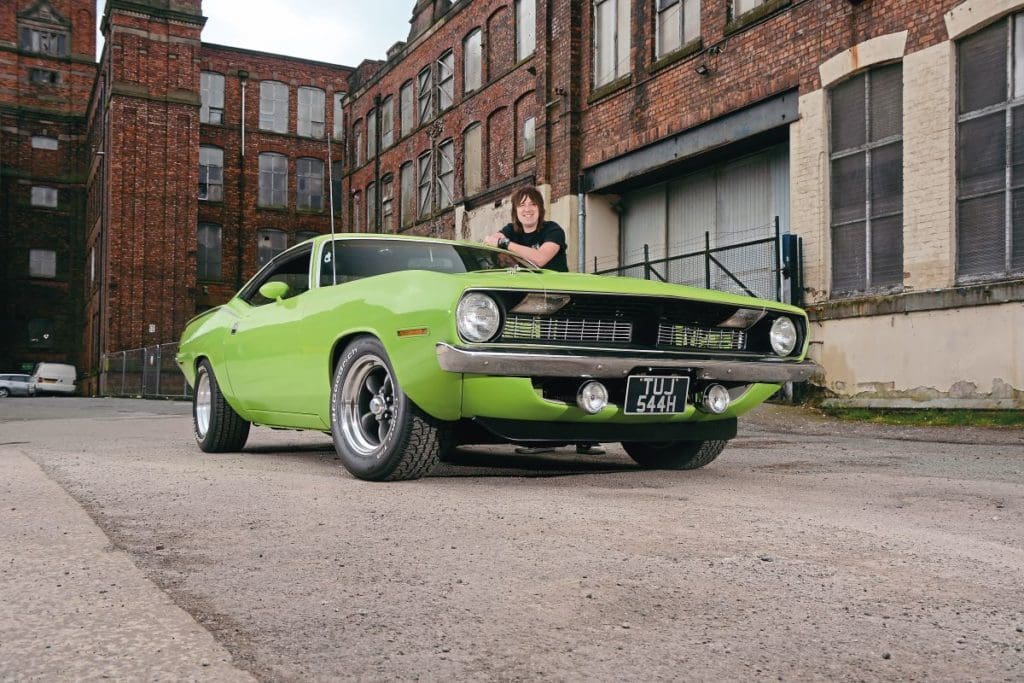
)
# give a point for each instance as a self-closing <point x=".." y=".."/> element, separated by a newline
<point x="929" y="418"/>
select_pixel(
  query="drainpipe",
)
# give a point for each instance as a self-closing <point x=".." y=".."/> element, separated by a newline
<point x="239" y="242"/>
<point x="581" y="221"/>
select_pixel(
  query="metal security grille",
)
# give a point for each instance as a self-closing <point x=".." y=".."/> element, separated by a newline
<point x="700" y="338"/>
<point x="562" y="329"/>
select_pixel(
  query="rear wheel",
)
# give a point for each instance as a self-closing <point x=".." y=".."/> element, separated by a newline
<point x="379" y="434"/>
<point x="4" y="392"/>
<point x="673" y="455"/>
<point x="216" y="425"/>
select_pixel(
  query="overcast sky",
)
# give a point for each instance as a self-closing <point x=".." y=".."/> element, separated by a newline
<point x="336" y="31"/>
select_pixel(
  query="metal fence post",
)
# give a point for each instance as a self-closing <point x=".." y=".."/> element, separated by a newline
<point x="707" y="260"/>
<point x="778" y="262"/>
<point x="647" y="263"/>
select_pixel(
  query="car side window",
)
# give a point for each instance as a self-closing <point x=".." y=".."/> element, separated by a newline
<point x="292" y="268"/>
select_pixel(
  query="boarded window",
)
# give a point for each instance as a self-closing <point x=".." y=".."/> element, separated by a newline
<point x="42" y="263"/>
<point x="867" y="181"/>
<point x="445" y="81"/>
<point x="472" y="156"/>
<point x="990" y="152"/>
<point x="526" y="28"/>
<point x="406" y="106"/>
<point x="407" y="201"/>
<point x="472" y="61"/>
<point x="445" y="174"/>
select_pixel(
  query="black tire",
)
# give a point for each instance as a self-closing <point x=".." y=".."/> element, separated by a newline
<point x="379" y="434"/>
<point x="216" y="425"/>
<point x="673" y="455"/>
<point x="4" y="392"/>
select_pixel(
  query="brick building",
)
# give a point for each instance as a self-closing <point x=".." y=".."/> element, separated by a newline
<point x="883" y="133"/>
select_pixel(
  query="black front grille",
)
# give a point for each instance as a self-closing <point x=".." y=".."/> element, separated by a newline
<point x="628" y="322"/>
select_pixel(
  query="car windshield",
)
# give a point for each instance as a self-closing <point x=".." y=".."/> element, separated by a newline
<point x="355" y="259"/>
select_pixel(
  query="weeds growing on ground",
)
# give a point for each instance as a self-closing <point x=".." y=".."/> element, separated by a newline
<point x="929" y="418"/>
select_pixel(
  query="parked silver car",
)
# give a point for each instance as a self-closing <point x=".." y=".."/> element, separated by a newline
<point x="16" y="385"/>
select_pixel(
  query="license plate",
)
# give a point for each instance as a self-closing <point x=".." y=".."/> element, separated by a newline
<point x="656" y="394"/>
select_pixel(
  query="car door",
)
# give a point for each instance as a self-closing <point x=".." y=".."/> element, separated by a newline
<point x="266" y="355"/>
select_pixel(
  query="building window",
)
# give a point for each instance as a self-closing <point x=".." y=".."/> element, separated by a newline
<point x="611" y="40"/>
<point x="425" y="85"/>
<point x="387" y="122"/>
<point x="405" y="106"/>
<point x="274" y="106"/>
<point x="357" y="147"/>
<point x="337" y="171"/>
<point x="472" y="61"/>
<point x="311" y="113"/>
<point x="407" y="200"/>
<point x="42" y="263"/>
<point x="43" y="41"/>
<point x="445" y="81"/>
<point x="990" y="151"/>
<point x="211" y="173"/>
<point x="43" y="77"/>
<point x="371" y="208"/>
<point x="211" y="95"/>
<point x="44" y="196"/>
<point x="310" y="187"/>
<point x="303" y="235"/>
<point x="387" y="203"/>
<point x="472" y="160"/>
<point x="355" y="211"/>
<point x="44" y="142"/>
<point x="371" y="134"/>
<point x="208" y="252"/>
<point x="339" y="116"/>
<point x="529" y="142"/>
<point x="526" y="28"/>
<point x="269" y="243"/>
<point x="445" y="174"/>
<point x="867" y="181"/>
<point x="273" y="179"/>
<point x="743" y="6"/>
<point x="40" y="333"/>
<point x="426" y="181"/>
<point x="678" y="24"/>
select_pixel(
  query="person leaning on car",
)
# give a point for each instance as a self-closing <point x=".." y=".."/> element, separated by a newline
<point x="529" y="235"/>
<point x="543" y="242"/>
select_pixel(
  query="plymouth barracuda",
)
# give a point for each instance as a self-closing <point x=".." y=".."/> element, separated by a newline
<point x="403" y="348"/>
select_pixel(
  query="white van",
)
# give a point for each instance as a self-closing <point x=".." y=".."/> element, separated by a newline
<point x="54" y="378"/>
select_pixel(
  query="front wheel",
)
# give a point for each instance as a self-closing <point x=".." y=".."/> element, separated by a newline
<point x="4" y="392"/>
<point x="216" y="425"/>
<point x="673" y="455"/>
<point x="379" y="434"/>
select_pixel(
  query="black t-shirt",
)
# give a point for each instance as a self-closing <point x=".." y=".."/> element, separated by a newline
<point x="548" y="231"/>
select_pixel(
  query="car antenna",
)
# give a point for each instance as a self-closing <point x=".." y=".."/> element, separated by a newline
<point x="330" y="193"/>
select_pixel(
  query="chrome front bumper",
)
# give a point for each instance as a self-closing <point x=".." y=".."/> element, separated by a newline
<point x="519" y="364"/>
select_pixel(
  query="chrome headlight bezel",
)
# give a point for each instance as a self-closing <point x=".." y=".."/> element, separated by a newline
<point x="477" y="317"/>
<point x="783" y="336"/>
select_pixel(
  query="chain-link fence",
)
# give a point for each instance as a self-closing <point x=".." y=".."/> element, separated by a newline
<point x="149" y="372"/>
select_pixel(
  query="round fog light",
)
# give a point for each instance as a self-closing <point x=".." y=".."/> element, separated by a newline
<point x="715" y="399"/>
<point x="592" y="397"/>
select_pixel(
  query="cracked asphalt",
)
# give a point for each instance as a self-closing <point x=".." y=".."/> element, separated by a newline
<point x="811" y="549"/>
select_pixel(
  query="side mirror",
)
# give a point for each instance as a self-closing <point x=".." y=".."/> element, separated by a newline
<point x="275" y="291"/>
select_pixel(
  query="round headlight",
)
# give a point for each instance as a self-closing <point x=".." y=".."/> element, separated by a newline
<point x="783" y="336"/>
<point x="592" y="397"/>
<point x="477" y="317"/>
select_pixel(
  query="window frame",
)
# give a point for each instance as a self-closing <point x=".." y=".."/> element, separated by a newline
<point x="311" y="119"/>
<point x="407" y="194"/>
<point x="211" y="98"/>
<point x="44" y="197"/>
<point x="42" y="264"/>
<point x="275" y="174"/>
<point x="620" y="39"/>
<point x="309" y="172"/>
<point x="446" y="81"/>
<point x="424" y="184"/>
<point x="273" y="107"/>
<point x="686" y="9"/>
<point x="525" y="29"/>
<point x="425" y="94"/>
<point x="472" y="61"/>
<point x="387" y="123"/>
<point x="444" y="170"/>
<point x="472" y="159"/>
<point x="204" y="264"/>
<point x="205" y="172"/>
<point x="407" y="108"/>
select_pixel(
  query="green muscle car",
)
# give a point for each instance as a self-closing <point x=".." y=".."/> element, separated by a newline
<point x="403" y="348"/>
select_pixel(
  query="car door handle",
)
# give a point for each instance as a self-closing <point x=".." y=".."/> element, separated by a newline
<point x="234" y="328"/>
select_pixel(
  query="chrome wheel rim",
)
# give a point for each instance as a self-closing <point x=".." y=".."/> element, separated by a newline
<point x="367" y="406"/>
<point x="203" y="403"/>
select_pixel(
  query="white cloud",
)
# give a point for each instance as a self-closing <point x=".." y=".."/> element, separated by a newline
<point x="341" y="32"/>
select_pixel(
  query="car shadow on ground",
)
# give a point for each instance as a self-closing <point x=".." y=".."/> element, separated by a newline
<point x="490" y="461"/>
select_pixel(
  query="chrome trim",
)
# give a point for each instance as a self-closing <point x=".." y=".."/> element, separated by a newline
<point x="513" y="364"/>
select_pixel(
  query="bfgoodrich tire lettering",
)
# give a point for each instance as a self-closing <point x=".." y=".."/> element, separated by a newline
<point x="673" y="455"/>
<point x="216" y="425"/>
<point x="379" y="434"/>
